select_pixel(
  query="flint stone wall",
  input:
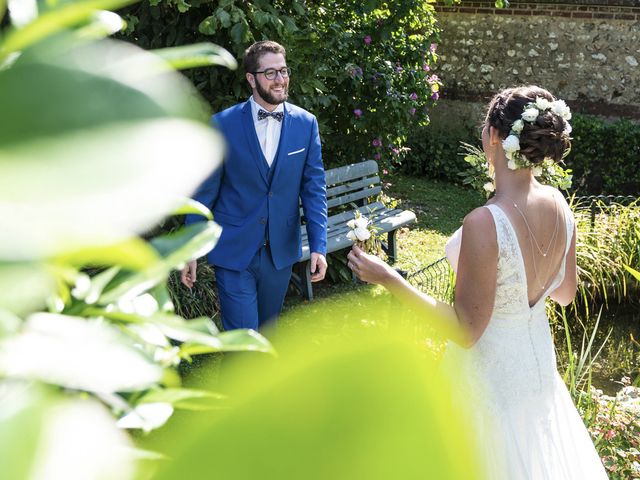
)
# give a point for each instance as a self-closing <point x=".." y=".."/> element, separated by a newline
<point x="587" y="52"/>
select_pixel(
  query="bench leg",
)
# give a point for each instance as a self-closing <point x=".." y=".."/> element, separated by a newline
<point x="392" y="249"/>
<point x="302" y="279"/>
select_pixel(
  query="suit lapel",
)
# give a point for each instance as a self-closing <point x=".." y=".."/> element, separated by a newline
<point x="252" y="140"/>
<point x="284" y="144"/>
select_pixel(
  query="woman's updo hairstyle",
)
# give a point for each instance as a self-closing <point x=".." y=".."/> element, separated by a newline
<point x="546" y="137"/>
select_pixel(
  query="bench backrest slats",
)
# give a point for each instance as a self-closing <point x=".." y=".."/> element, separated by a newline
<point x="352" y="197"/>
<point x="350" y="172"/>
<point x="344" y="217"/>
<point x="351" y="186"/>
<point x="357" y="182"/>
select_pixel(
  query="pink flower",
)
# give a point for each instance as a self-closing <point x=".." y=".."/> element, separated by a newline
<point x="435" y="96"/>
<point x="433" y="79"/>
<point x="609" y="434"/>
<point x="385" y="171"/>
<point x="357" y="112"/>
<point x="412" y="111"/>
<point x="433" y="47"/>
<point x="395" y="151"/>
<point x="377" y="156"/>
<point x="367" y="39"/>
<point x="426" y="67"/>
<point x="413" y="96"/>
<point x="376" y="142"/>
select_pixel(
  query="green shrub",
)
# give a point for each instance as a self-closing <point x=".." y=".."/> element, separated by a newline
<point x="84" y="357"/>
<point x="363" y="68"/>
<point x="605" y="156"/>
<point x="435" y="151"/>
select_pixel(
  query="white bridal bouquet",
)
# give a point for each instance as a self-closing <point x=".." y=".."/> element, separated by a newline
<point x="364" y="234"/>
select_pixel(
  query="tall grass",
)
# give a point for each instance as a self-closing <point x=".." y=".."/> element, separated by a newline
<point x="199" y="301"/>
<point x="606" y="242"/>
<point x="579" y="362"/>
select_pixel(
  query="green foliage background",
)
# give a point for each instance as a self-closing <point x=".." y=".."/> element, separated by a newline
<point x="371" y="56"/>
<point x="604" y="157"/>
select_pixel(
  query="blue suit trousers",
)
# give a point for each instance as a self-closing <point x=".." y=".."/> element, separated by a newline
<point x="252" y="297"/>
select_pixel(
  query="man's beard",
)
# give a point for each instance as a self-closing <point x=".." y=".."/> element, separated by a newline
<point x="268" y="97"/>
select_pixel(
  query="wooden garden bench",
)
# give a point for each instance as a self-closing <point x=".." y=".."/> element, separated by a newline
<point x="358" y="184"/>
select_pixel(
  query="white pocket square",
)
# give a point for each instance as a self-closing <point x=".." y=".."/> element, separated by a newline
<point x="297" y="151"/>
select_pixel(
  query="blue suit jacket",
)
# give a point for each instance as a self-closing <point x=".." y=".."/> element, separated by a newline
<point x="252" y="204"/>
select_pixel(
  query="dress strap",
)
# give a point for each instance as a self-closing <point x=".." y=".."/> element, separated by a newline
<point x="501" y="224"/>
<point x="569" y="222"/>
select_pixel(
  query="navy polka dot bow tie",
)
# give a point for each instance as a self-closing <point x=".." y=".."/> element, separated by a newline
<point x="262" y="114"/>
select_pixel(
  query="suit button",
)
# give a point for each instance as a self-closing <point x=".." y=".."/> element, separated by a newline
<point x="271" y="194"/>
<point x="263" y="221"/>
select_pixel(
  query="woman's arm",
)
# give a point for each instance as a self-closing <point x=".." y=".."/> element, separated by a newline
<point x="475" y="289"/>
<point x="477" y="273"/>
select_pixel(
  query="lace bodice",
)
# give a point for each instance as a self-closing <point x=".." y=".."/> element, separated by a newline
<point x="525" y="423"/>
<point x="511" y="283"/>
<point x="515" y="353"/>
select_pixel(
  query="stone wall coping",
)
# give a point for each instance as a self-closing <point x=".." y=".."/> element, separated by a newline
<point x="625" y="10"/>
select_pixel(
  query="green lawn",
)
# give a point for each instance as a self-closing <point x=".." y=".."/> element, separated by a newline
<point x="439" y="208"/>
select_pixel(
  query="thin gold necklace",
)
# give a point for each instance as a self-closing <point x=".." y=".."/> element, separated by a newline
<point x="532" y="239"/>
<point x="535" y="240"/>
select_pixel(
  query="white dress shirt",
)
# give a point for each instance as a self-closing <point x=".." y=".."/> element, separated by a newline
<point x="268" y="131"/>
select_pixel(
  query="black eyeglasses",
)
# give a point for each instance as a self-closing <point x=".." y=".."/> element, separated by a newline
<point x="271" y="73"/>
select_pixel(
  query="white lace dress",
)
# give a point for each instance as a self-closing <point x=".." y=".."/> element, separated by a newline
<point x="527" y="423"/>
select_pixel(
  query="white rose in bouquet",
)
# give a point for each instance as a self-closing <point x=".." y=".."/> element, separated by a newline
<point x="361" y="222"/>
<point x="359" y="234"/>
<point x="363" y="233"/>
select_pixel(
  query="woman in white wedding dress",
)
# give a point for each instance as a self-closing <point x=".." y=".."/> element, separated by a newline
<point x="510" y="256"/>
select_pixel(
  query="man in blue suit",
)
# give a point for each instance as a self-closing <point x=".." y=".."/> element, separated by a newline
<point x="273" y="161"/>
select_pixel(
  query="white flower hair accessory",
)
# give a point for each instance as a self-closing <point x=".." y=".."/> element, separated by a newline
<point x="531" y="111"/>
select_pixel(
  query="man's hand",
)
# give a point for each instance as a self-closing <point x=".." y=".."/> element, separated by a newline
<point x="318" y="266"/>
<point x="188" y="275"/>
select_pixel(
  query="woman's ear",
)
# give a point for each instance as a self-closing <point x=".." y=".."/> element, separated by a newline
<point x="251" y="79"/>
<point x="494" y="136"/>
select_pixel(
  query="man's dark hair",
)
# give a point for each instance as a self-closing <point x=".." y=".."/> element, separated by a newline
<point x="254" y="52"/>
